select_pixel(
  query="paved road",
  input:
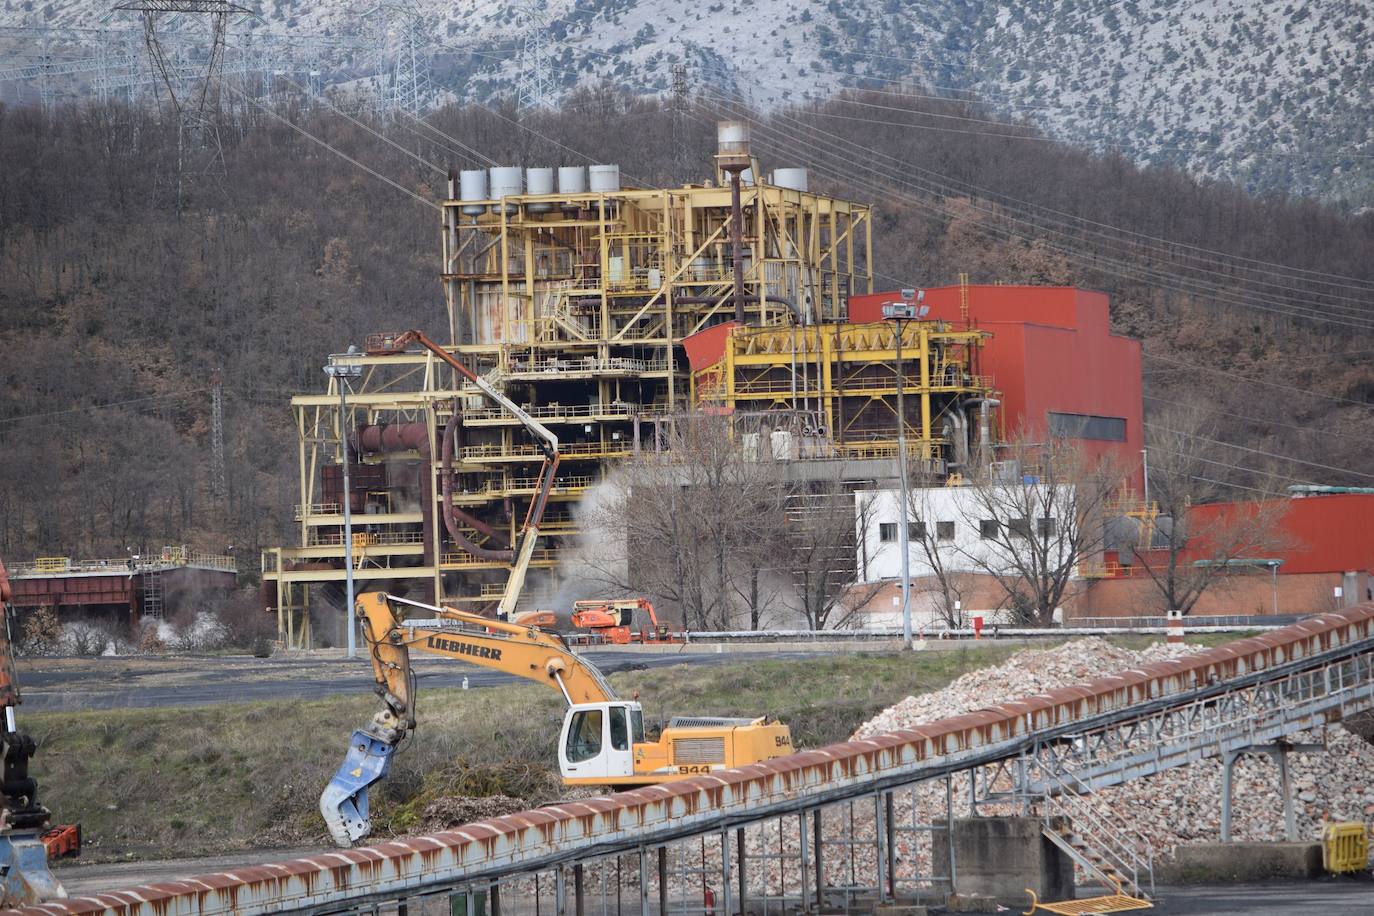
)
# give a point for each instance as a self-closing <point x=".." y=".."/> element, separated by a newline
<point x="121" y="683"/>
<point x="1329" y="897"/>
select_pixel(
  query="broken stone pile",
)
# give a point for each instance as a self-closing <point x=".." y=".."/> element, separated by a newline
<point x="1178" y="806"/>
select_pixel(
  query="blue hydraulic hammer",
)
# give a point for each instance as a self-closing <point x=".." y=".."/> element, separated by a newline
<point x="344" y="801"/>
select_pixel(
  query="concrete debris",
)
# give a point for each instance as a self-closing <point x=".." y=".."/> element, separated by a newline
<point x="1182" y="805"/>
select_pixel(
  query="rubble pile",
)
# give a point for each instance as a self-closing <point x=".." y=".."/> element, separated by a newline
<point x="1178" y="806"/>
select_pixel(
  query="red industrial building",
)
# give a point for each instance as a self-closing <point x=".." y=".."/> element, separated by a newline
<point x="1053" y="358"/>
<point x="1059" y="369"/>
<point x="1324" y="562"/>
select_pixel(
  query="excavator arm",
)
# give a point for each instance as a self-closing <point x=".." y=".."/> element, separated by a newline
<point x="522" y="651"/>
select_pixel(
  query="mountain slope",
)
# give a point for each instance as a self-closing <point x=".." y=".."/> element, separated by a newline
<point x="1273" y="94"/>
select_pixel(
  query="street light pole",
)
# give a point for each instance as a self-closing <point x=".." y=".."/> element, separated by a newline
<point x="903" y="538"/>
<point x="899" y="313"/>
<point x="341" y="374"/>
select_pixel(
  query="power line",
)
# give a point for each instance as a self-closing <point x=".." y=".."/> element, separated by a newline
<point x="1261" y="420"/>
<point x="475" y="154"/>
<point x="945" y="182"/>
<point x="90" y="407"/>
<point x="340" y="153"/>
<point x="1090" y="260"/>
<point x="343" y="114"/>
<point x="1257" y="451"/>
<point x="1256" y="381"/>
<point x="1235" y="467"/>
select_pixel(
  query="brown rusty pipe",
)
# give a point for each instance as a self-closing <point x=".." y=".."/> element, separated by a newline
<point x="446" y="500"/>
<point x="736" y="243"/>
<point x="473" y="521"/>
<point x="450" y="448"/>
<point x="392" y="437"/>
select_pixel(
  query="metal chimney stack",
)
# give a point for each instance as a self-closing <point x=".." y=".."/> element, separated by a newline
<point x="732" y="156"/>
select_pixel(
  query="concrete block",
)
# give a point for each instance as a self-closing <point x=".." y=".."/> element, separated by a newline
<point x="999" y="857"/>
<point x="1203" y="863"/>
<point x="972" y="903"/>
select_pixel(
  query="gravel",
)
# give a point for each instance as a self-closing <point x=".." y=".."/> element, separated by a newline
<point x="1181" y="805"/>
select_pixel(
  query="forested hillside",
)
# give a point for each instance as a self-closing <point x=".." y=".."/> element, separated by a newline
<point x="126" y="280"/>
<point x="1274" y="94"/>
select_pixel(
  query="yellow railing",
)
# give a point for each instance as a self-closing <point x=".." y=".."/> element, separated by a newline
<point x="178" y="555"/>
<point x="459" y="559"/>
<point x="318" y="509"/>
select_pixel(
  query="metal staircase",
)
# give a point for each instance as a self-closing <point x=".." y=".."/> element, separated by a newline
<point x="153" y="593"/>
<point x="1101" y="843"/>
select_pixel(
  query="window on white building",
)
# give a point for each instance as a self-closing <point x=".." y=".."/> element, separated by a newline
<point x="944" y="531"/>
<point x="1046" y="528"/>
<point x="916" y="531"/>
<point x="1019" y="528"/>
<point x="887" y="532"/>
<point x="988" y="529"/>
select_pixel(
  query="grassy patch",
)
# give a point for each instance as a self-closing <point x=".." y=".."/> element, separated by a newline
<point x="206" y="780"/>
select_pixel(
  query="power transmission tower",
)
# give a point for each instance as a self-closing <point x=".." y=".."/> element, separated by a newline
<point x="218" y="483"/>
<point x="192" y="96"/>
<point x="681" y="162"/>
<point x="535" y="89"/>
<point x="412" y="84"/>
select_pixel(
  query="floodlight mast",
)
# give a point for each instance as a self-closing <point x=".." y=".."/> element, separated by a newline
<point x="899" y="313"/>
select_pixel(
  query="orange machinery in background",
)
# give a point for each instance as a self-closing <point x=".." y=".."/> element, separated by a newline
<point x="621" y="621"/>
<point x="544" y="620"/>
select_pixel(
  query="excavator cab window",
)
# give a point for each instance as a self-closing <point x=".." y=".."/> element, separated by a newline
<point x="620" y="733"/>
<point x="584" y="737"/>
<point x="637" y="724"/>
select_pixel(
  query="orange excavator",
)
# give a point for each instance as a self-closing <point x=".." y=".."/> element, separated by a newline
<point x="621" y="621"/>
<point x="27" y="840"/>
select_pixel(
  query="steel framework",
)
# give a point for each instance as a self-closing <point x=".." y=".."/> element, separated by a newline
<point x="577" y="305"/>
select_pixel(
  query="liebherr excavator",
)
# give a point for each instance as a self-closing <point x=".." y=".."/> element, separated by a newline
<point x="602" y="742"/>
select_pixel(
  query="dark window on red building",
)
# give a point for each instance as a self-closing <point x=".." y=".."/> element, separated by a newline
<point x="1085" y="426"/>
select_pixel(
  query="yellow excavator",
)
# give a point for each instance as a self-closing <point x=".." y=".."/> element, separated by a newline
<point x="602" y="742"/>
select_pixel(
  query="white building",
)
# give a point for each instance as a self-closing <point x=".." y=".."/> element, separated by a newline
<point x="949" y="521"/>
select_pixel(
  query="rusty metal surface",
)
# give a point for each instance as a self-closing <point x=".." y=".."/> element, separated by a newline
<point x="655" y="814"/>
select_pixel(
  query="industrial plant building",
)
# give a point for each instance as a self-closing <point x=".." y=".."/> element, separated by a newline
<point x="605" y="311"/>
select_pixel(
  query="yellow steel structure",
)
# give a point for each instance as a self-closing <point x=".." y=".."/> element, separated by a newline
<point x="840" y="381"/>
<point x="576" y="306"/>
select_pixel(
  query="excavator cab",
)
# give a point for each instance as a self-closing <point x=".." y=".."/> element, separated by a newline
<point x="598" y="740"/>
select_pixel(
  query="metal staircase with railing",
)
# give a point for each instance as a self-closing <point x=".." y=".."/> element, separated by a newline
<point x="153" y="594"/>
<point x="1102" y="844"/>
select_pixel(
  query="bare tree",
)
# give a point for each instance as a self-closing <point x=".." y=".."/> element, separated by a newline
<point x="1191" y="549"/>
<point x="1037" y="519"/>
<point x="818" y="554"/>
<point x="688" y="526"/>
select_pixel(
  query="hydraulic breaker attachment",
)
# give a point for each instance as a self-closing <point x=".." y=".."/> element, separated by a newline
<point x="344" y="801"/>
<point x="24" y="876"/>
